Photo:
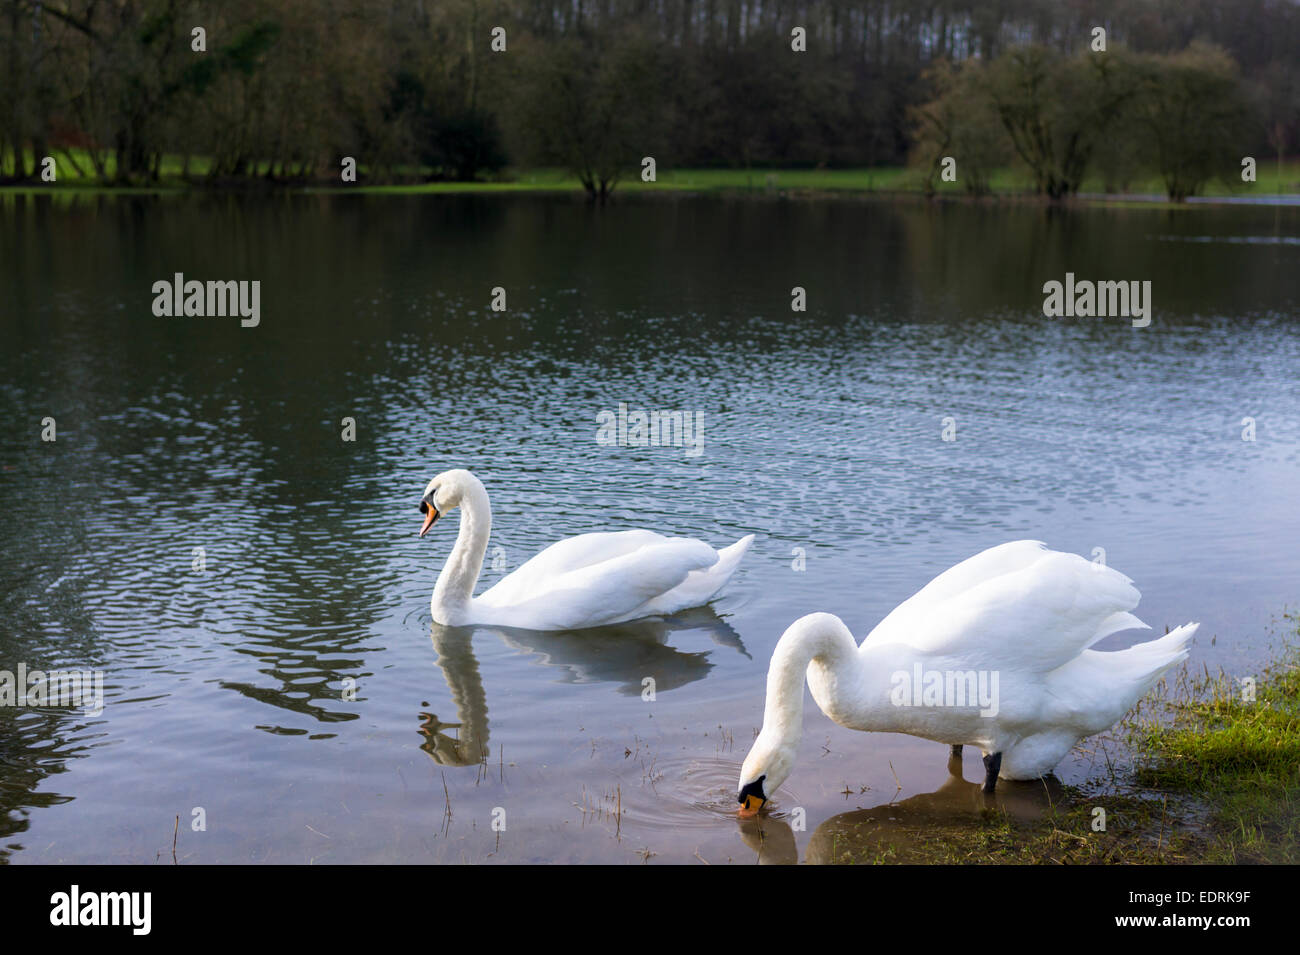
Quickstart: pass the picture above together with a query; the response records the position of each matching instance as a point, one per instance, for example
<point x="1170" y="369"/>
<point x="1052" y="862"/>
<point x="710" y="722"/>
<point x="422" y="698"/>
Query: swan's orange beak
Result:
<point x="751" y="797"/>
<point x="430" y="516"/>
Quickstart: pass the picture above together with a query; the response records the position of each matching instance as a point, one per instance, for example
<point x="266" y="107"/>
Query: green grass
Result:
<point x="885" y="179"/>
<point x="69" y="178"/>
<point x="1238" y="758"/>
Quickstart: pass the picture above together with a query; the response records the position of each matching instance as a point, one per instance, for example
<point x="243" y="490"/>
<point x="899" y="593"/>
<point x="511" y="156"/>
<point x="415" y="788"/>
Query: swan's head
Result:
<point x="445" y="492"/>
<point x="765" y="768"/>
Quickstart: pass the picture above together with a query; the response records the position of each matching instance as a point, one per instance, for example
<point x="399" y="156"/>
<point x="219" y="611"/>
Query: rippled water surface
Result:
<point x="296" y="690"/>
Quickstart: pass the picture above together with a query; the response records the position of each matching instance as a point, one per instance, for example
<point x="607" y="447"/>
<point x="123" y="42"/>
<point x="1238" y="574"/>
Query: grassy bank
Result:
<point x="1214" y="778"/>
<point x="1236" y="758"/>
<point x="1272" y="180"/>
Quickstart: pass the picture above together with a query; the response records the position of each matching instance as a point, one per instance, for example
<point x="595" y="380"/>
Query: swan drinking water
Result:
<point x="586" y="581"/>
<point x="1016" y="620"/>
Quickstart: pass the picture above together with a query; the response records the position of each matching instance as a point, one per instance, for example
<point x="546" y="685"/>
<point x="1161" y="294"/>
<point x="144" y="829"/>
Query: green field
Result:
<point x="1272" y="180"/>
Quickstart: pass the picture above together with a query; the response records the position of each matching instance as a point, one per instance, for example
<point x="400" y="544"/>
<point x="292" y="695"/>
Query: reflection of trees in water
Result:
<point x="892" y="830"/>
<point x="35" y="745"/>
<point x="624" y="654"/>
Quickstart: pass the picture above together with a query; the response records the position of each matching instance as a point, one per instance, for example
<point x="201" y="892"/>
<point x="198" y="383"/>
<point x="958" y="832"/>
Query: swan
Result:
<point x="586" y="581"/>
<point x="993" y="653"/>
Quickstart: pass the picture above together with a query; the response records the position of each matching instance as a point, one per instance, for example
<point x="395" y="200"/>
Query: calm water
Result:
<point x="227" y="689"/>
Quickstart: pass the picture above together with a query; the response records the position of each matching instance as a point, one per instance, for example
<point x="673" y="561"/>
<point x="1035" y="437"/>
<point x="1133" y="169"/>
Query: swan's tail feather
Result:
<point x="1106" y="683"/>
<point x="728" y="560"/>
<point x="715" y="577"/>
<point x="1145" y="663"/>
<point x="701" y="586"/>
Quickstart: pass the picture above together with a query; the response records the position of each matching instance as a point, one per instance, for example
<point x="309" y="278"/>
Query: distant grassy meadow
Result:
<point x="177" y="175"/>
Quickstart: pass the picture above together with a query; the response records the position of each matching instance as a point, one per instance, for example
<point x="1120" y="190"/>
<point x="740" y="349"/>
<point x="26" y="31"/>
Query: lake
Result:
<point x="252" y="586"/>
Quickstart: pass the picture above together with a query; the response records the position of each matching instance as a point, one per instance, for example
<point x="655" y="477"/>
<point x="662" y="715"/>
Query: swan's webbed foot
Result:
<point x="992" y="766"/>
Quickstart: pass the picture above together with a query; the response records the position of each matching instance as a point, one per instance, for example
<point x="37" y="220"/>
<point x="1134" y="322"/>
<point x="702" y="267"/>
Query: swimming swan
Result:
<point x="584" y="581"/>
<point x="993" y="652"/>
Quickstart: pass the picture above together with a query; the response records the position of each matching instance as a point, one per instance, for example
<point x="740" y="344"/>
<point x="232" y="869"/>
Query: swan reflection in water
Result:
<point x="891" y="831"/>
<point x="624" y="654"/>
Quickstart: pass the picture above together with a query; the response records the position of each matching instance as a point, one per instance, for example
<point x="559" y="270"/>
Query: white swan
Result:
<point x="584" y="581"/>
<point x="1013" y="623"/>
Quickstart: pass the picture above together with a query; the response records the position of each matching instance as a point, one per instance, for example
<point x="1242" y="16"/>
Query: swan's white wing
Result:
<point x="904" y="619"/>
<point x="541" y="571"/>
<point x="1033" y="619"/>
<point x="608" y="591"/>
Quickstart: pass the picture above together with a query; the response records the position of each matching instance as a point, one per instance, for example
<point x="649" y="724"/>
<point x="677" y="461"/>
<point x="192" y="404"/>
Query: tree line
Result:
<point x="1185" y="116"/>
<point x="281" y="90"/>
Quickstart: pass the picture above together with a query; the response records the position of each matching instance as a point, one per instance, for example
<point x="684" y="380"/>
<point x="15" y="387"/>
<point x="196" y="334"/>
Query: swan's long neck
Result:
<point x="818" y="637"/>
<point x="850" y="684"/>
<point x="455" y="587"/>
